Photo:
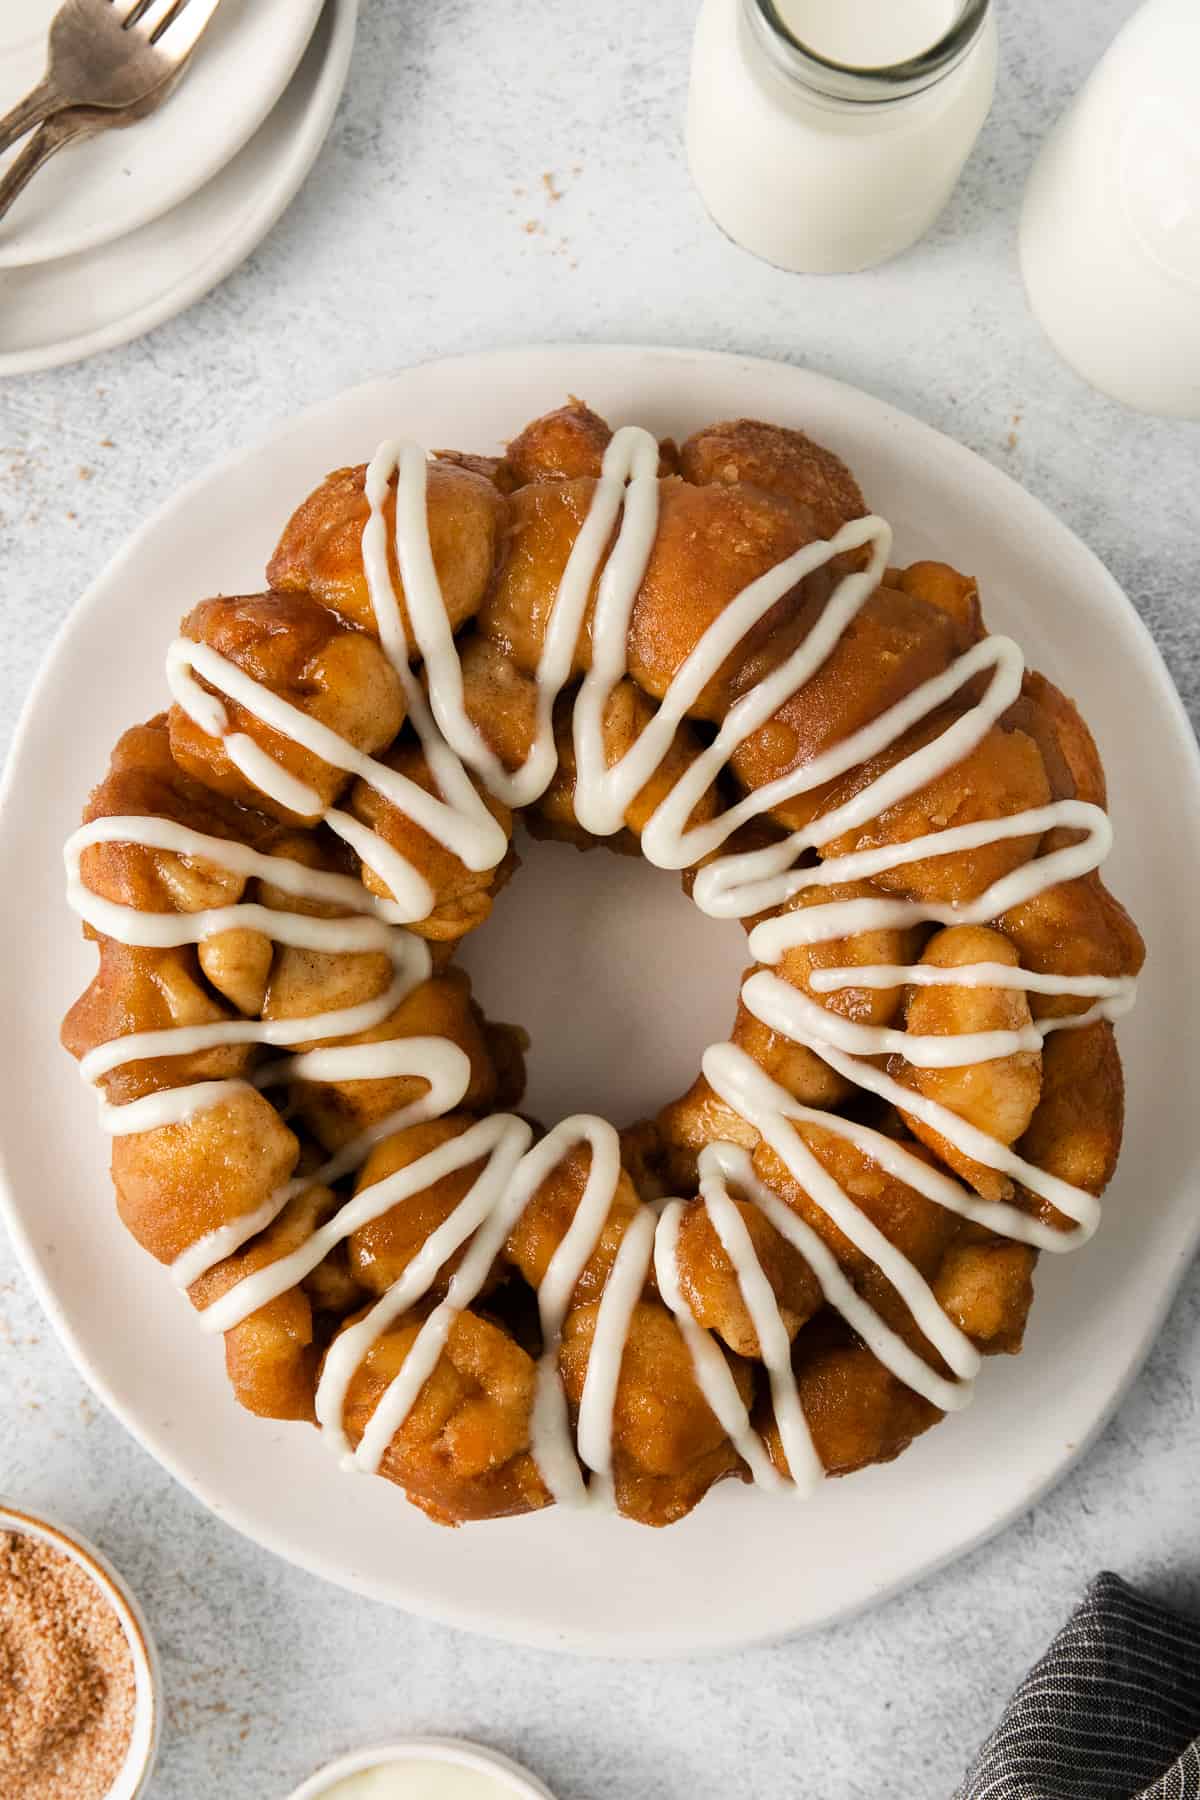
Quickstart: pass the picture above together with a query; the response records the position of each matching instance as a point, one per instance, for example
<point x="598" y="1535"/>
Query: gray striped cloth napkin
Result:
<point x="1111" y="1712"/>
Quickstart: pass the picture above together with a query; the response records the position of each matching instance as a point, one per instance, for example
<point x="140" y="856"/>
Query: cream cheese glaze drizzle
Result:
<point x="625" y="501"/>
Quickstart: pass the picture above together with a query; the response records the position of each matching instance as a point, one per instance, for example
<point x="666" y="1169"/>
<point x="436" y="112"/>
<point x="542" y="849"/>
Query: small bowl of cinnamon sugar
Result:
<point x="79" y="1676"/>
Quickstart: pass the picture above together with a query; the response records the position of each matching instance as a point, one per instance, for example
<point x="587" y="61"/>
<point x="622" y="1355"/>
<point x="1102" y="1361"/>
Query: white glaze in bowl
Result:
<point x="456" y="1751"/>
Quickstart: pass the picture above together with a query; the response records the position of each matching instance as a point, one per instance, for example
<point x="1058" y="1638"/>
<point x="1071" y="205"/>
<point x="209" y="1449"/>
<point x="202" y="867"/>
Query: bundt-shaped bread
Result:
<point x="699" y="654"/>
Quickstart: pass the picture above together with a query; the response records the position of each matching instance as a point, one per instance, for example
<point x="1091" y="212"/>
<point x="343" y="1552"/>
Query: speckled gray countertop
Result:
<point x="428" y="226"/>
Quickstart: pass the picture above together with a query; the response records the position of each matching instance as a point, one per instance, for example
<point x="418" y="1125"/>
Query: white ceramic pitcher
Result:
<point x="1110" y="229"/>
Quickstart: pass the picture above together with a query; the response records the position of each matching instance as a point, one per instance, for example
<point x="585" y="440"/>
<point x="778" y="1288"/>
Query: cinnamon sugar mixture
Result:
<point x="66" y="1678"/>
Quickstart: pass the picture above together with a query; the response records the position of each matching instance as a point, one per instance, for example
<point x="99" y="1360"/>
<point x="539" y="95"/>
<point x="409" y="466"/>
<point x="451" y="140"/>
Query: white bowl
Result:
<point x="133" y="1780"/>
<point x="457" y="1751"/>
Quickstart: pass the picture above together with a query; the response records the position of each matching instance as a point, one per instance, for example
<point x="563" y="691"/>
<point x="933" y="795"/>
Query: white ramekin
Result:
<point x="133" y="1779"/>
<point x="524" y="1786"/>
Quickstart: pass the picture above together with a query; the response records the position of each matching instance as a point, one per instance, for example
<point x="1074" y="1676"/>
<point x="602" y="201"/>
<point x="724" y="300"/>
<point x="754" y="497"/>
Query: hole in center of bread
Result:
<point x="620" y="981"/>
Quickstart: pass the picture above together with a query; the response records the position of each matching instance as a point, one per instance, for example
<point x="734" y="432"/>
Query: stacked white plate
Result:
<point x="118" y="233"/>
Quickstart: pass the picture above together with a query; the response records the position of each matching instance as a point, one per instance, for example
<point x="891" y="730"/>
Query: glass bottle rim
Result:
<point x="845" y="81"/>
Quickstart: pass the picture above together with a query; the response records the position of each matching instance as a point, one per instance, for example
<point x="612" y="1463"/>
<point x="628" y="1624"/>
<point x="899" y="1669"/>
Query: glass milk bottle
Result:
<point x="827" y="135"/>
<point x="1110" y="228"/>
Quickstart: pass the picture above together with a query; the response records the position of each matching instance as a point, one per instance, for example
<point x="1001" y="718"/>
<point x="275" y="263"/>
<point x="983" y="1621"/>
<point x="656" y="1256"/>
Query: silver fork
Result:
<point x="72" y="125"/>
<point x="109" y="54"/>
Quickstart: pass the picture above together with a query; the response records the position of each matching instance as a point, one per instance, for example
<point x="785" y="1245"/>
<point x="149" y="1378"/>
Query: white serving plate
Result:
<point x="744" y="1567"/>
<point x="55" y="313"/>
<point x="96" y="192"/>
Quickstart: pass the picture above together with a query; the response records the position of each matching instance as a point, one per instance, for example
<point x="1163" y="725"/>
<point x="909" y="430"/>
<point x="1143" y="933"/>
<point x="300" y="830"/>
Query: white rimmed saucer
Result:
<point x="97" y="192"/>
<point x="61" y="312"/>
<point x="133" y="1779"/>
<point x="456" y="1752"/>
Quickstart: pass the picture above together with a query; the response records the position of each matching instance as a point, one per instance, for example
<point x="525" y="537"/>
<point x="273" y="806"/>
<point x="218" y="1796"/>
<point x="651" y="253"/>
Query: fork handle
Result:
<point x="37" y="105"/>
<point x="46" y="141"/>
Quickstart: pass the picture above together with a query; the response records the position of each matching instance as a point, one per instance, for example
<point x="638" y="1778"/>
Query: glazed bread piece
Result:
<point x="848" y="1203"/>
